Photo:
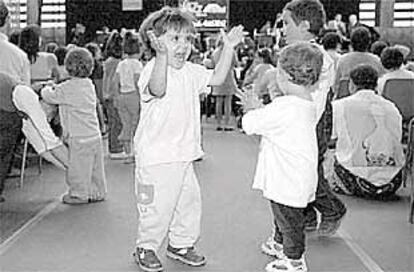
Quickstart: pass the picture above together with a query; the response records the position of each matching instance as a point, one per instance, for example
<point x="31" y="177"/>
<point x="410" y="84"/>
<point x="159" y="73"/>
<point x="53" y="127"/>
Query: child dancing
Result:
<point x="286" y="170"/>
<point x="77" y="102"/>
<point x="167" y="140"/>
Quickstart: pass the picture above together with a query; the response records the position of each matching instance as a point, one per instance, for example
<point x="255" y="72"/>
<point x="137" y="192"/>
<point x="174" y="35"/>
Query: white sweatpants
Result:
<point x="169" y="202"/>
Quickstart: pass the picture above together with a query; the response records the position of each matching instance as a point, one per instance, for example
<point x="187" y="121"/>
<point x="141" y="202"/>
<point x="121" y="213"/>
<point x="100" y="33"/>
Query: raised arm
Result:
<point x="158" y="80"/>
<point x="233" y="38"/>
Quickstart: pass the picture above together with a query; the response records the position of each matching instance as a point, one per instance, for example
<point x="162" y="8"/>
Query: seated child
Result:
<point x="286" y="170"/>
<point x="167" y="140"/>
<point x="77" y="101"/>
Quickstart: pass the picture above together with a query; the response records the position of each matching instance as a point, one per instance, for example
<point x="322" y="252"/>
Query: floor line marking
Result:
<point x="27" y="226"/>
<point x="369" y="263"/>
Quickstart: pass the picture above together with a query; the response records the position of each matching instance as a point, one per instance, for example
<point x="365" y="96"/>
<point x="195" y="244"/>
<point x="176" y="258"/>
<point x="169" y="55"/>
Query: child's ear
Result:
<point x="304" y="25"/>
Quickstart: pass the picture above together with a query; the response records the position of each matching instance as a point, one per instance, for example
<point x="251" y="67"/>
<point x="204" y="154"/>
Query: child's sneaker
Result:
<point x="329" y="228"/>
<point x="272" y="248"/>
<point x="73" y="200"/>
<point x="147" y="260"/>
<point x="287" y="265"/>
<point x="186" y="255"/>
<point x="311" y="226"/>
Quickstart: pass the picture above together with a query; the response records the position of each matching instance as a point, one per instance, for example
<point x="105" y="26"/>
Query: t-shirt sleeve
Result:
<point x="54" y="95"/>
<point x="202" y="77"/>
<point x="263" y="120"/>
<point x="143" y="82"/>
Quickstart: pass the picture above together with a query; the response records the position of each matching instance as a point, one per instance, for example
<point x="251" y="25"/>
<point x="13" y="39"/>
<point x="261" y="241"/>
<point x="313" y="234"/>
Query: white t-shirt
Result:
<point x="169" y="127"/>
<point x="286" y="170"/>
<point x="14" y="61"/>
<point x="42" y="69"/>
<point x="354" y="124"/>
<point x="126" y="70"/>
<point x="326" y="81"/>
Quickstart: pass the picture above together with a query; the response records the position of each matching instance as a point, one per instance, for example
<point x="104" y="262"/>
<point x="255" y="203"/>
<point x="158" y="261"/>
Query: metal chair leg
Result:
<point x="23" y="166"/>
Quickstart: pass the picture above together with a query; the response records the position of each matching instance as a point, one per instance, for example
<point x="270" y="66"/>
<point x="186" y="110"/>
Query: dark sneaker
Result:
<point x="186" y="255"/>
<point x="311" y="226"/>
<point x="147" y="260"/>
<point x="329" y="228"/>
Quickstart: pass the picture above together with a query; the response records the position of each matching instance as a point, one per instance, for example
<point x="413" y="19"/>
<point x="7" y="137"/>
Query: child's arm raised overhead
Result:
<point x="158" y="80"/>
<point x="233" y="38"/>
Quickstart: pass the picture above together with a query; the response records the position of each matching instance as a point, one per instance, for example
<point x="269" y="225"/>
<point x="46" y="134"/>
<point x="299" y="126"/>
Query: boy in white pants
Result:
<point x="167" y="140"/>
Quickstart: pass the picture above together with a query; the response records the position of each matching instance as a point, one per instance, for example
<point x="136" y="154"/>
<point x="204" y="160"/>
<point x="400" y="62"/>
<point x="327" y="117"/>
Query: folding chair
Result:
<point x="401" y="92"/>
<point x="409" y="167"/>
<point x="343" y="89"/>
<point x="24" y="156"/>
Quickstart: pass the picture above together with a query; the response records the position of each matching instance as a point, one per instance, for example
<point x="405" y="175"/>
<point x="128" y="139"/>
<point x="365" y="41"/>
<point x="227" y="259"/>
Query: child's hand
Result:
<point x="234" y="37"/>
<point x="249" y="100"/>
<point x="156" y="43"/>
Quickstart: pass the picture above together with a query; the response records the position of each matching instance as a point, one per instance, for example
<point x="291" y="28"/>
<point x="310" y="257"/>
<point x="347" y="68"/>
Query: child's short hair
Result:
<point x="266" y="55"/>
<point x="79" y="62"/>
<point x="364" y="76"/>
<point x="60" y="54"/>
<point x="51" y="47"/>
<point x="331" y="40"/>
<point x="132" y="43"/>
<point x="303" y="62"/>
<point x="391" y="58"/>
<point x="308" y="10"/>
<point x="93" y="48"/>
<point x="164" y="19"/>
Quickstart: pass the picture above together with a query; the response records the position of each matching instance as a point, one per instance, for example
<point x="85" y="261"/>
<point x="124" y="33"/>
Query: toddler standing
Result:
<point x="167" y="140"/>
<point x="286" y="170"/>
<point x="126" y="77"/>
<point x="77" y="102"/>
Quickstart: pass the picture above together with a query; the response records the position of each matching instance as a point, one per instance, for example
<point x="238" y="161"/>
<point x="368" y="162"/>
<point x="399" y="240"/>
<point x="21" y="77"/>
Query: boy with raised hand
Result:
<point x="302" y="22"/>
<point x="167" y="140"/>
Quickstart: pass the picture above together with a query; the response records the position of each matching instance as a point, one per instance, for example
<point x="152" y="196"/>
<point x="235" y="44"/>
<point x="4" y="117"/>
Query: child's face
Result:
<point x="293" y="32"/>
<point x="178" y="46"/>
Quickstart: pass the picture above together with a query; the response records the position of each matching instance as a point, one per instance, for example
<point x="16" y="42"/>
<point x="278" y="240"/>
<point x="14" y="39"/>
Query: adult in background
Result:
<point x="224" y="92"/>
<point x="332" y="44"/>
<point x="368" y="128"/>
<point x="43" y="65"/>
<point x="392" y="59"/>
<point x="13" y="60"/>
<point x="360" y="42"/>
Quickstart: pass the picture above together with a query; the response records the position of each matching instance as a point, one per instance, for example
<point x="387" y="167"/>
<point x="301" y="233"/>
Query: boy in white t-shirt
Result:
<point x="167" y="140"/>
<point x="127" y="100"/>
<point x="286" y="170"/>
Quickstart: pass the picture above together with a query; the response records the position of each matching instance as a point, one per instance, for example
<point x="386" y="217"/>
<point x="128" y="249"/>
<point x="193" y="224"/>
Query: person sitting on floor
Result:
<point x="368" y="128"/>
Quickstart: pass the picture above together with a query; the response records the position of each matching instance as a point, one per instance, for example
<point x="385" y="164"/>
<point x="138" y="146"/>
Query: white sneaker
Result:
<point x="118" y="156"/>
<point x="272" y="248"/>
<point x="287" y="265"/>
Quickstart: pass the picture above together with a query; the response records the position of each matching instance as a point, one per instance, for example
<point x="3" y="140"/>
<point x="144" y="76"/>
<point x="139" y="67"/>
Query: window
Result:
<point x="404" y="13"/>
<point x="367" y="10"/>
<point x="53" y="13"/>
